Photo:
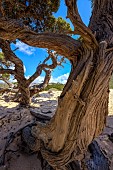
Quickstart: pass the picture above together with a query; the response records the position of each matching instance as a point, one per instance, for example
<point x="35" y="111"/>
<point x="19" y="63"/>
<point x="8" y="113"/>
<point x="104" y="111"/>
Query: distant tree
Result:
<point x="83" y="104"/>
<point x="5" y="65"/>
<point x="26" y="91"/>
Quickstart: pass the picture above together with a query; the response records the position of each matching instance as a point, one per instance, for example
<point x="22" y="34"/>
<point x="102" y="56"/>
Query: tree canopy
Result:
<point x="38" y="15"/>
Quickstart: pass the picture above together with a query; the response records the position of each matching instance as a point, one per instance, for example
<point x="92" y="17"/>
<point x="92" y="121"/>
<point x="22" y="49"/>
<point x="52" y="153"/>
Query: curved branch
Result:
<point x="43" y="66"/>
<point x="79" y="26"/>
<point x="8" y="71"/>
<point x="9" y="55"/>
<point x="62" y="44"/>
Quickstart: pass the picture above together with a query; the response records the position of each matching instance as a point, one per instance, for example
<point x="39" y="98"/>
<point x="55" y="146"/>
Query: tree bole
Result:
<point x="80" y="115"/>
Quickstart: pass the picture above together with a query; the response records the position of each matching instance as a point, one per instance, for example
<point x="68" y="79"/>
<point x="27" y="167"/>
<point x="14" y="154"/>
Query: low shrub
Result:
<point x="57" y="86"/>
<point x="111" y="83"/>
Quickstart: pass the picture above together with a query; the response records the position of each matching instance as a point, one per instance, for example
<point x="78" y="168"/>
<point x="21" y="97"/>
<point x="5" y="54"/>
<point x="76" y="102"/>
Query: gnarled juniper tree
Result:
<point x="83" y="104"/>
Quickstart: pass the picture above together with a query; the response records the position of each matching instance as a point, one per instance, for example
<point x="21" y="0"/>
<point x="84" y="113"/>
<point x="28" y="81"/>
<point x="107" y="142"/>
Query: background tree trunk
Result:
<point x="24" y="93"/>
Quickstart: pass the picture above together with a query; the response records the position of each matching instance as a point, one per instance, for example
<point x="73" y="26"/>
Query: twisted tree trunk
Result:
<point x="81" y="112"/>
<point x="83" y="104"/>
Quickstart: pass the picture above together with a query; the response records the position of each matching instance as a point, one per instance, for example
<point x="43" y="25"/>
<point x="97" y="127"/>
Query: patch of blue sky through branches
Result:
<point x="32" y="56"/>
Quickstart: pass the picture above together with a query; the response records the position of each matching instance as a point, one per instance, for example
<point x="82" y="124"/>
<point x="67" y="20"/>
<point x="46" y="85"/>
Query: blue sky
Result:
<point x="32" y="56"/>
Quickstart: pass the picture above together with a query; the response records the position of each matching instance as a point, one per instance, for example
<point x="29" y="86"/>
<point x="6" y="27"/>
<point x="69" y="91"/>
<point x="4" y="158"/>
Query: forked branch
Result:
<point x="43" y="67"/>
<point x="79" y="27"/>
<point x="47" y="69"/>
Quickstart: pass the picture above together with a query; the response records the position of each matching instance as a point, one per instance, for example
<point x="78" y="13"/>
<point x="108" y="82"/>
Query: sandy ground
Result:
<point x="13" y="118"/>
<point x="111" y="102"/>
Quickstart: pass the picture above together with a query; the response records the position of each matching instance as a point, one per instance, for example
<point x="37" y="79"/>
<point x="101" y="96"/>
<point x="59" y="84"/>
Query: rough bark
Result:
<point x="83" y="104"/>
<point x="80" y="115"/>
<point x="18" y="72"/>
<point x="63" y="44"/>
<point x="82" y="107"/>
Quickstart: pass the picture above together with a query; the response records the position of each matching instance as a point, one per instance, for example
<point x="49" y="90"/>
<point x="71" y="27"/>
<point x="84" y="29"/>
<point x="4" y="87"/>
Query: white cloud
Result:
<point x="61" y="79"/>
<point x="27" y="77"/>
<point x="24" y="69"/>
<point x="12" y="67"/>
<point x="12" y="79"/>
<point x="38" y="80"/>
<point x="24" y="48"/>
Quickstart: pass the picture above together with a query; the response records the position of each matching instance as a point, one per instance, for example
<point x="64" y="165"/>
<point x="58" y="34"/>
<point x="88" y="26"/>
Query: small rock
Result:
<point x="4" y="167"/>
<point x="111" y="137"/>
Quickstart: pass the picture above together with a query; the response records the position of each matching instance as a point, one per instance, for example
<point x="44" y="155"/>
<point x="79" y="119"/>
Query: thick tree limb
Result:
<point x="9" y="71"/>
<point x="79" y="26"/>
<point x="109" y="49"/>
<point x="9" y="55"/>
<point x="62" y="44"/>
<point x="23" y="83"/>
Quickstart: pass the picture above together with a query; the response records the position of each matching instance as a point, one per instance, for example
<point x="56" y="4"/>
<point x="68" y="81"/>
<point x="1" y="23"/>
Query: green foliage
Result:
<point x="33" y="13"/>
<point x="58" y="25"/>
<point x="24" y="8"/>
<point x="3" y="62"/>
<point x="111" y="83"/>
<point x="57" y="86"/>
<point x="4" y="65"/>
<point x="3" y="85"/>
<point x="6" y="76"/>
<point x="38" y="14"/>
<point x="1" y="56"/>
